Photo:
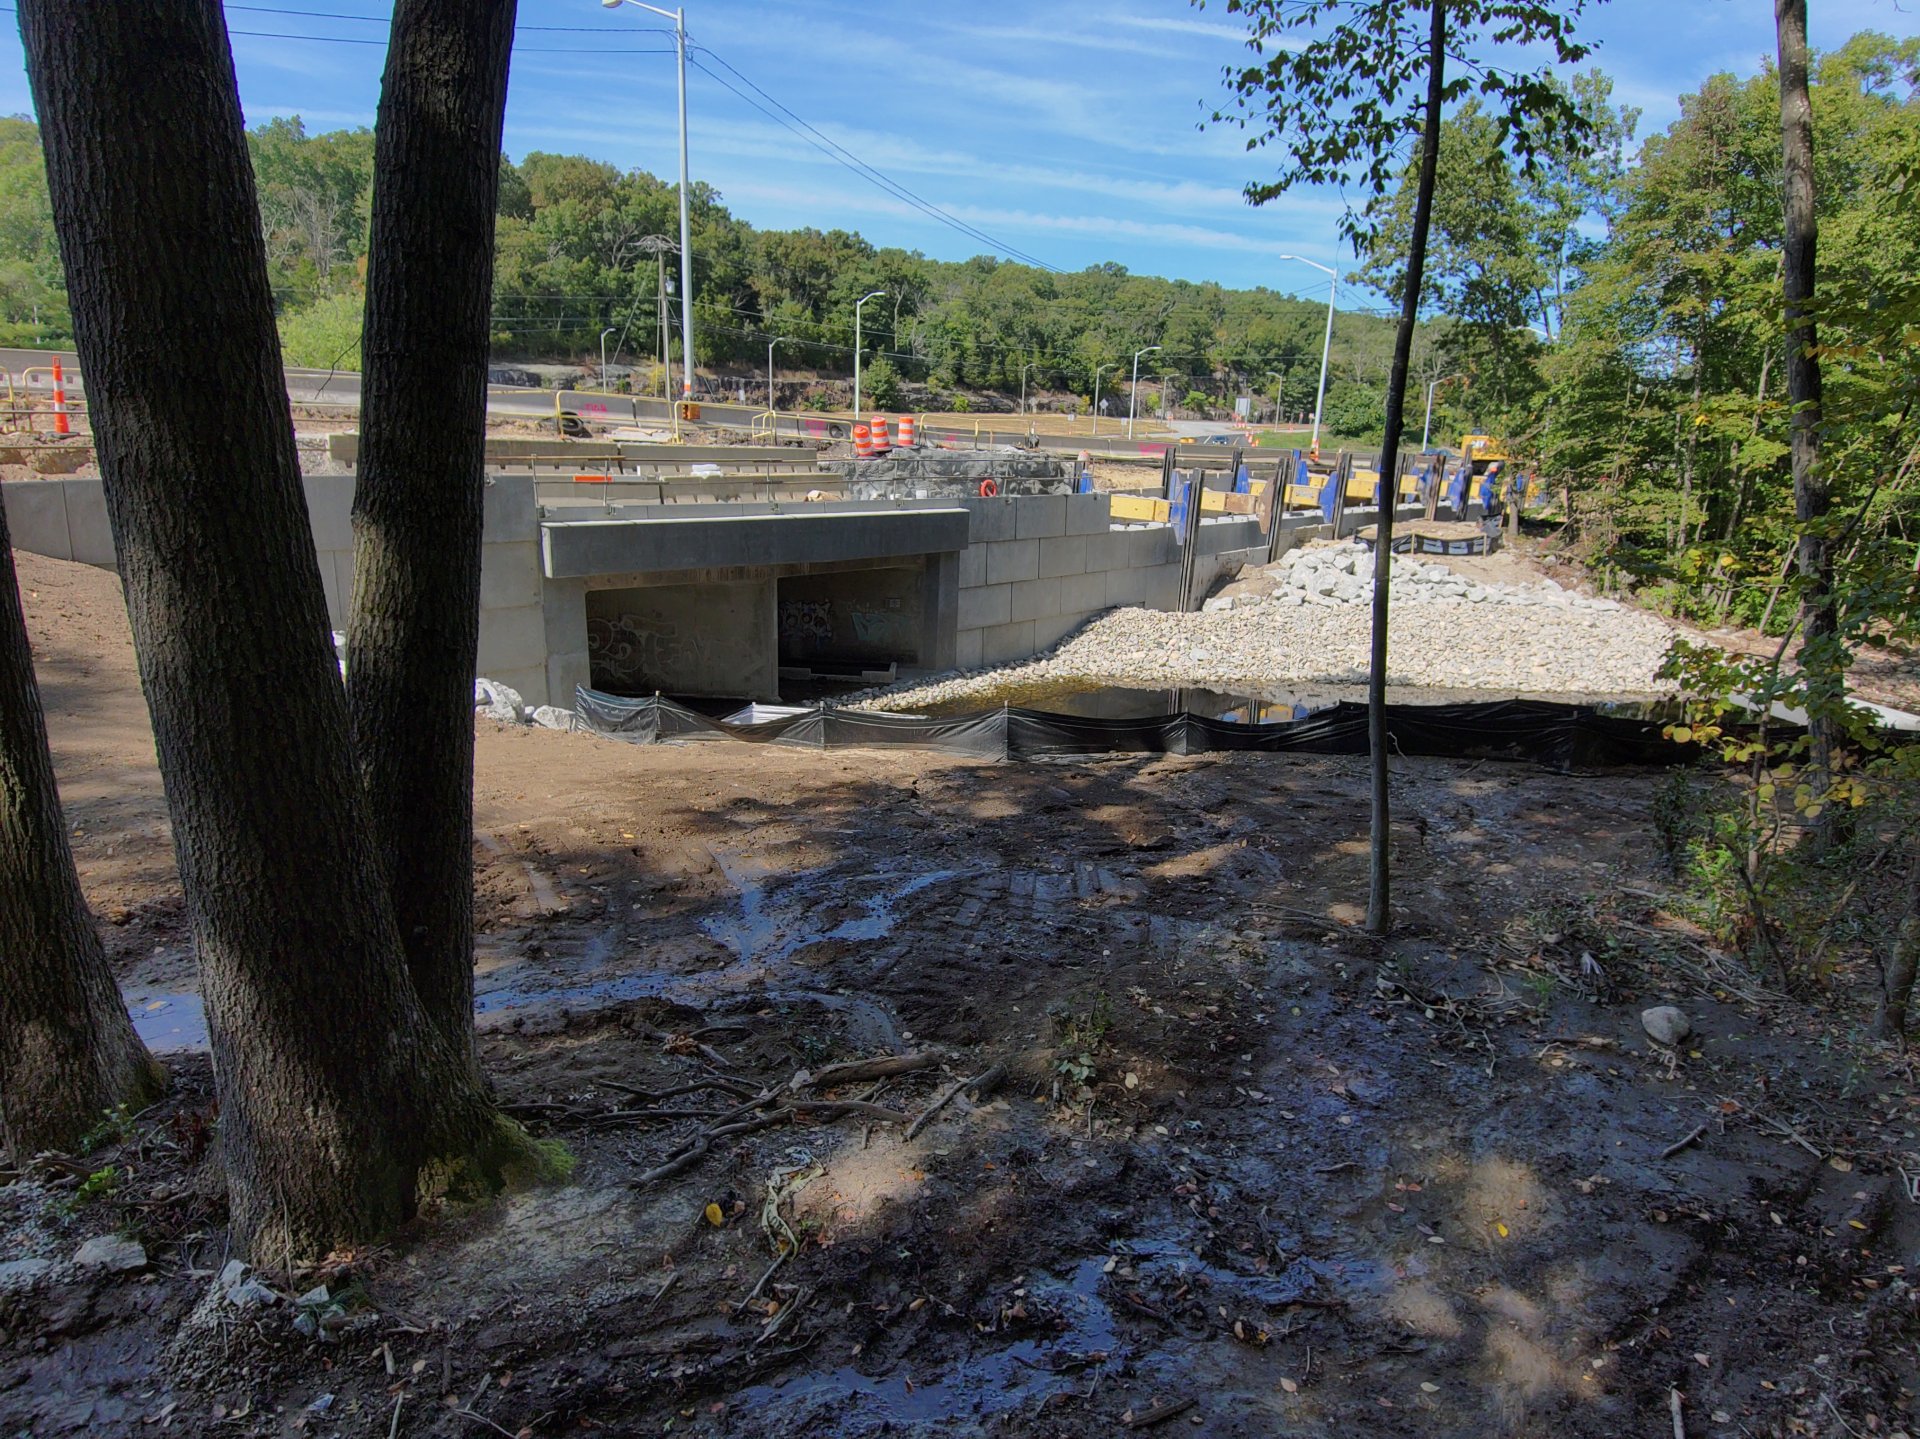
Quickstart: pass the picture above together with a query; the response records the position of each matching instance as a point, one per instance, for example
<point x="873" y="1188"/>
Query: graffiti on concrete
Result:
<point x="640" y="652"/>
<point x="885" y="624"/>
<point x="806" y="622"/>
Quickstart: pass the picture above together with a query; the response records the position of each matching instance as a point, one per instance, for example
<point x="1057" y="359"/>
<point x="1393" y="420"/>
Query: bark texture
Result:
<point x="334" y="1095"/>
<point x="418" y="502"/>
<point x="68" y="1053"/>
<point x="1379" y="882"/>
<point x="1903" y="963"/>
<point x="1819" y="618"/>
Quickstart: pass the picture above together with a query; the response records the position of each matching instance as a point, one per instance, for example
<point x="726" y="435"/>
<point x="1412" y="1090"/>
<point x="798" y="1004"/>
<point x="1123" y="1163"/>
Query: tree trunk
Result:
<point x="68" y="1052"/>
<point x="1819" y="651"/>
<point x="1677" y="537"/>
<point x="1745" y="491"/>
<point x="414" y="630"/>
<point x="334" y="1092"/>
<point x="1898" y="975"/>
<point x="1379" y="902"/>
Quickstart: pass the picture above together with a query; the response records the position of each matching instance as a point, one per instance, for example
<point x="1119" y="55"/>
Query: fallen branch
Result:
<point x="844" y="1109"/>
<point x="701" y="1144"/>
<point x="661" y="1293"/>
<point x="477" y="1418"/>
<point x="1781" y="1127"/>
<point x="984" y="1083"/>
<point x="655" y="1096"/>
<point x="1159" y="1414"/>
<point x="857" y="1069"/>
<point x="755" y="1292"/>
<point x="927" y="1114"/>
<point x="1680" y="1144"/>
<point x="696" y="1148"/>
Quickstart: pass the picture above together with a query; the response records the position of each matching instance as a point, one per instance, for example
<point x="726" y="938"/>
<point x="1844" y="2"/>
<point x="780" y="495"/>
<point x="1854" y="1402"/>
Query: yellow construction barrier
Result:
<point x="1138" y="509"/>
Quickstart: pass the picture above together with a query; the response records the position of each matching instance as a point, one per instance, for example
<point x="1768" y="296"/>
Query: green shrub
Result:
<point x="880" y="385"/>
<point x="325" y="335"/>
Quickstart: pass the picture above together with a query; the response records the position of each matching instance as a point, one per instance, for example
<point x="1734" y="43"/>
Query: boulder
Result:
<point x="552" y="717"/>
<point x="499" y="702"/>
<point x="1666" y="1025"/>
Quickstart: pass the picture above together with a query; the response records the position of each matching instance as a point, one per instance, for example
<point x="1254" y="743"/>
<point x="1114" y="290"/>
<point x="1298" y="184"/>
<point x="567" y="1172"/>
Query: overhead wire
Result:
<point x="844" y="157"/>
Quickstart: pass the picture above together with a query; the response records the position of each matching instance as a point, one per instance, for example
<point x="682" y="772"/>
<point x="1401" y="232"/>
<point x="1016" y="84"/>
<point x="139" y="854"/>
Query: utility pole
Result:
<point x="679" y="18"/>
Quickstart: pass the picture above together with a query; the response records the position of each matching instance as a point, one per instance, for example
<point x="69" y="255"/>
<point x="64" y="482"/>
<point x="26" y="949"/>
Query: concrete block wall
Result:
<point x="67" y="520"/>
<point x="1038" y="567"/>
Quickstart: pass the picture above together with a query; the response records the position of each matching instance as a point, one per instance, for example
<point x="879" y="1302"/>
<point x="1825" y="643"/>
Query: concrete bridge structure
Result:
<point x="716" y="598"/>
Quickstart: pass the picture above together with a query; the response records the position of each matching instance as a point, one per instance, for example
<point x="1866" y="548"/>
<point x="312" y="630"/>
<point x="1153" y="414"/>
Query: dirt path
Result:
<point x="1241" y="1154"/>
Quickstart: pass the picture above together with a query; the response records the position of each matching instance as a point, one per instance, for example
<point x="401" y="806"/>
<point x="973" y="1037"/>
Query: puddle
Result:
<point x="846" y="1401"/>
<point x="168" y="1023"/>
<point x="1020" y="1374"/>
<point x="775" y="919"/>
<point x="767" y="934"/>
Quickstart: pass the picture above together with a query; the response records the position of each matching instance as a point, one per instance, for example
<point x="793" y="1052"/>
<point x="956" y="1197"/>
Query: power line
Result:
<point x="847" y="159"/>
<point x="387" y="19"/>
<point x="517" y="49"/>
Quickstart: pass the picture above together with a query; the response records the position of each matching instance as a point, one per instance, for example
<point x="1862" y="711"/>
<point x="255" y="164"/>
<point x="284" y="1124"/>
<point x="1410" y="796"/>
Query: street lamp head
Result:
<point x="612" y="4"/>
<point x="874" y="295"/>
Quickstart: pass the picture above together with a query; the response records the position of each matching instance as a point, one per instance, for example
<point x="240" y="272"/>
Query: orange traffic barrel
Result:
<point x="877" y="427"/>
<point x="862" y="442"/>
<point x="59" y="401"/>
<point x="906" y="432"/>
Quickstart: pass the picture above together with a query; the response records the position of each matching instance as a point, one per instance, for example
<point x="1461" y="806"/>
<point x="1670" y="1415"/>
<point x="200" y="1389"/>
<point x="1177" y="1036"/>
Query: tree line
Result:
<point x="1660" y="400"/>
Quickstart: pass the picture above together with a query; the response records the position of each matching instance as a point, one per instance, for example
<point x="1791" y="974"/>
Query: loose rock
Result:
<point x="17" y="1274"/>
<point x="1444" y="632"/>
<point x="1666" y="1025"/>
<point x="112" y="1252"/>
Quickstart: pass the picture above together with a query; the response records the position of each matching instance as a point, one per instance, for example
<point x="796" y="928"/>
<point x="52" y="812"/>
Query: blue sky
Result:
<point x="1067" y="131"/>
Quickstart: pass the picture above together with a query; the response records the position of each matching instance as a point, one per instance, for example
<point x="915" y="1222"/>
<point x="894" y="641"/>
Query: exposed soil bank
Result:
<point x="1241" y="1154"/>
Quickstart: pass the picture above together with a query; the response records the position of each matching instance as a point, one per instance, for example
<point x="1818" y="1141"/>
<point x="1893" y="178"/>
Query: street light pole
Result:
<point x="1278" y="381"/>
<point x="770" y="344"/>
<point x="856" y="349"/>
<point x="1096" y="392"/>
<point x="1326" y="345"/>
<point x="1133" y="389"/>
<point x="679" y="18"/>
<point x="1023" y="384"/>
<point x="603" y="355"/>
<point x="1427" y="428"/>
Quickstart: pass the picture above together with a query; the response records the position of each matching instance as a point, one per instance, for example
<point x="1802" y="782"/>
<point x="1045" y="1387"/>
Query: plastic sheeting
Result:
<point x="1559" y="735"/>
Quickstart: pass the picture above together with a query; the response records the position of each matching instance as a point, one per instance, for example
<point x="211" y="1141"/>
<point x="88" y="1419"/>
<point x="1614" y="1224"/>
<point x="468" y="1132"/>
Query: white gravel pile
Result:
<point x="1343" y="575"/>
<point x="1445" y="632"/>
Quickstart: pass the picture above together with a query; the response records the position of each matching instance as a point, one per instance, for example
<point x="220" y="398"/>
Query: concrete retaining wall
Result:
<point x="67" y="520"/>
<point x="1036" y="568"/>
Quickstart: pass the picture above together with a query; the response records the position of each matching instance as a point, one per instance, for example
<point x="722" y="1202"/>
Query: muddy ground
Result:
<point x="1239" y="1158"/>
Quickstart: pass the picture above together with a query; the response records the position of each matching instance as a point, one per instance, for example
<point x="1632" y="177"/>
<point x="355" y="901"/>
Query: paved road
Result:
<point x="32" y="370"/>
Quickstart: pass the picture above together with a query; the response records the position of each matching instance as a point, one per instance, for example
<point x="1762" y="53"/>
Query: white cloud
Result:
<point x="1182" y="25"/>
